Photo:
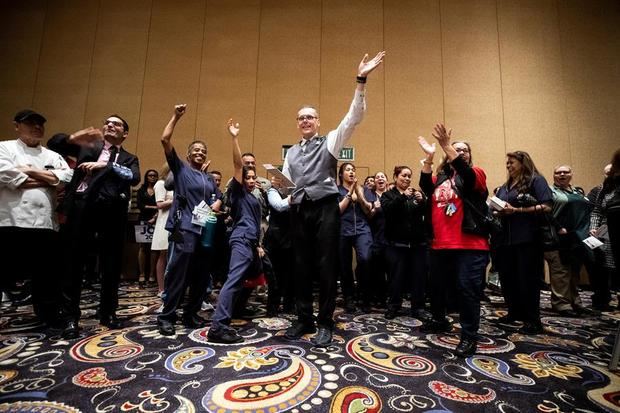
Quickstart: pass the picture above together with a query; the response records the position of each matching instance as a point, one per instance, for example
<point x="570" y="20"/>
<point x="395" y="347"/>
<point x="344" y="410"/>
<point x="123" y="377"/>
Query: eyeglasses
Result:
<point x="306" y="117"/>
<point x="461" y="150"/>
<point x="562" y="172"/>
<point x="116" y="123"/>
<point x="152" y="175"/>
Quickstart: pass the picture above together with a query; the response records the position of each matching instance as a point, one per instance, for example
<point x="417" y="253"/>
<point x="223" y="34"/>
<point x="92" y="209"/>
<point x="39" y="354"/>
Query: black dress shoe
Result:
<point x="71" y="330"/>
<point x="531" y="329"/>
<point x="436" y="326"/>
<point x="194" y="322"/>
<point x="111" y="322"/>
<point x="166" y="328"/>
<point x="323" y="337"/>
<point x="390" y="314"/>
<point x="224" y="335"/>
<point x="568" y="313"/>
<point x="507" y="319"/>
<point x="421" y="314"/>
<point x="298" y="329"/>
<point x="587" y="311"/>
<point x="465" y="348"/>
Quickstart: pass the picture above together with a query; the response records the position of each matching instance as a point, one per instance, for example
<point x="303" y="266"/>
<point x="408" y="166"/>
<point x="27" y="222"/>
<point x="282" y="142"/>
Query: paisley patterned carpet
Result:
<point x="375" y="365"/>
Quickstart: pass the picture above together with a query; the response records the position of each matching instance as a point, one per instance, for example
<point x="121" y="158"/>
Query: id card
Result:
<point x="200" y="213"/>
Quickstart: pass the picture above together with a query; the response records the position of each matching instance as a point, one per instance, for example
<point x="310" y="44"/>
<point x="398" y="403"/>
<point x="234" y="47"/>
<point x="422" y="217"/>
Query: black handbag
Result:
<point x="488" y="223"/>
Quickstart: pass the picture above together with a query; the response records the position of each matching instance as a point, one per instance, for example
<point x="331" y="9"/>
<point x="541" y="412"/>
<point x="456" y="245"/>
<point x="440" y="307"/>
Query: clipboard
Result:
<point x="286" y="183"/>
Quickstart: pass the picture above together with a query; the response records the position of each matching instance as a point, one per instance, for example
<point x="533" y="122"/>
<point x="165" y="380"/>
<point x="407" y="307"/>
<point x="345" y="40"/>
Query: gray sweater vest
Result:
<point x="313" y="169"/>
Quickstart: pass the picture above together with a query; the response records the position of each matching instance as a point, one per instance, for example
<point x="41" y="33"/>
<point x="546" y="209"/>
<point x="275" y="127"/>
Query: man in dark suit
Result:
<point x="97" y="201"/>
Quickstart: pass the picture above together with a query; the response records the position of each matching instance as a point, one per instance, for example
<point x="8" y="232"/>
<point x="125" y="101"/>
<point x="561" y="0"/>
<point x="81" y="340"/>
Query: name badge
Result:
<point x="450" y="209"/>
<point x="200" y="213"/>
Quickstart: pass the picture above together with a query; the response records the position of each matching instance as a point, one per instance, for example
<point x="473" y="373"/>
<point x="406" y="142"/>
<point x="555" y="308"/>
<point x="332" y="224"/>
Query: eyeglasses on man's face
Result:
<point x="306" y="117"/>
<point x="116" y="123"/>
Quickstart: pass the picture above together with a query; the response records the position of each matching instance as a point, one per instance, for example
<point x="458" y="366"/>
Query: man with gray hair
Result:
<point x="315" y="216"/>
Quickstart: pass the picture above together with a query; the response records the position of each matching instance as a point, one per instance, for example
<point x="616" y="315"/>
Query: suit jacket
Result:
<point x="106" y="185"/>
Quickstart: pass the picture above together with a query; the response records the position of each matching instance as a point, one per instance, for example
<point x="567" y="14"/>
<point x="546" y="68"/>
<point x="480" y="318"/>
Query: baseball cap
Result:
<point x="28" y="114"/>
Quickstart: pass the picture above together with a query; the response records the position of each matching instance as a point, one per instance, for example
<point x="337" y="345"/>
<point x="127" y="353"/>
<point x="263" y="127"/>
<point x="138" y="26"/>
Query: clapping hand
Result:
<point x="233" y="128"/>
<point x="441" y="134"/>
<point x="428" y="148"/>
<point x="366" y="66"/>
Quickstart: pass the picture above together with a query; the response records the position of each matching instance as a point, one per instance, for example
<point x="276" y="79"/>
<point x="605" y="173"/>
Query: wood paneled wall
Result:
<point x="536" y="75"/>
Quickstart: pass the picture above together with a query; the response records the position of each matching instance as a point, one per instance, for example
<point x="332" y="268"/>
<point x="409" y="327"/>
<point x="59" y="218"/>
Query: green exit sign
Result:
<point x="346" y="154"/>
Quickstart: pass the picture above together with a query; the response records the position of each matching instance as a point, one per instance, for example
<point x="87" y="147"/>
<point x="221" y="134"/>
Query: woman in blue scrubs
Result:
<point x="188" y="261"/>
<point x="245" y="252"/>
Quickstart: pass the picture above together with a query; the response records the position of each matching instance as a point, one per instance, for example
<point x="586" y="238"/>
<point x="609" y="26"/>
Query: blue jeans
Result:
<point x="466" y="270"/>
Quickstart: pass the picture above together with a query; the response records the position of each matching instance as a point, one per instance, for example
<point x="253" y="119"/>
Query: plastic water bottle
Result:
<point x="208" y="231"/>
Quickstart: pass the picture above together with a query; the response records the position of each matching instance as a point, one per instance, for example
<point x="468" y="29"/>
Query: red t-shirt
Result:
<point x="447" y="228"/>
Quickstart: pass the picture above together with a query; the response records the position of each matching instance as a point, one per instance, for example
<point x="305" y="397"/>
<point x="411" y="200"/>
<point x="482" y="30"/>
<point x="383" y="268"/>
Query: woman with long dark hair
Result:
<point x="147" y="205"/>
<point x="519" y="248"/>
<point x="406" y="238"/>
<point x="245" y="252"/>
<point x="460" y="248"/>
<point x="188" y="261"/>
<point x="354" y="234"/>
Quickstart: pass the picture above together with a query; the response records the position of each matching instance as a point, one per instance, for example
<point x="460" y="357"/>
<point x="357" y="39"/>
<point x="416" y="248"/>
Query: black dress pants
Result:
<point x="109" y="221"/>
<point x="315" y="229"/>
<point x="31" y="253"/>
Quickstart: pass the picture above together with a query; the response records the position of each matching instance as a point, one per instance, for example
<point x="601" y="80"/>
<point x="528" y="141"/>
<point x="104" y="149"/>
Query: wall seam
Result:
<point x="202" y="57"/>
<point x="92" y="59"/>
<point x="36" y="76"/>
<point x="562" y="63"/>
<point x="501" y="78"/>
<point x="260" y="22"/>
<point x="384" y="88"/>
<point x="320" y="60"/>
<point x="146" y="58"/>
<point x="443" y="80"/>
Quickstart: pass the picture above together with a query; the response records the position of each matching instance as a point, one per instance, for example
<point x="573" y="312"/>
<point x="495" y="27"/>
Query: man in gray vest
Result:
<point x="311" y="165"/>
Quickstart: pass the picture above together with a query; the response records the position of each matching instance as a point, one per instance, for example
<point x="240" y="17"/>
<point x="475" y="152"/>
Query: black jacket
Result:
<point x="105" y="185"/>
<point x="405" y="222"/>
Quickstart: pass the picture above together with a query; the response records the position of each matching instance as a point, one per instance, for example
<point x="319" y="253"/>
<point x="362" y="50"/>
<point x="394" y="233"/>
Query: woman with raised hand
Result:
<point x="188" y="261"/>
<point x="460" y="248"/>
<point x="520" y="261"/>
<point x="245" y="251"/>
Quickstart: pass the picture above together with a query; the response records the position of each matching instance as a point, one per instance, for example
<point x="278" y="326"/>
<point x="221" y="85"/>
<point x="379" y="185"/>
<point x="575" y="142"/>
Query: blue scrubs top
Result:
<point x="353" y="221"/>
<point x="190" y="188"/>
<point x="523" y="228"/>
<point x="245" y="211"/>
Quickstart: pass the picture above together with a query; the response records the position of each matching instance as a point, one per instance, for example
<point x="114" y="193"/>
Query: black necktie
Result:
<point x="113" y="152"/>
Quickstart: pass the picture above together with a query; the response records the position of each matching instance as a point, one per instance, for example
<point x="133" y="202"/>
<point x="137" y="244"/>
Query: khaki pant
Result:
<point x="564" y="279"/>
